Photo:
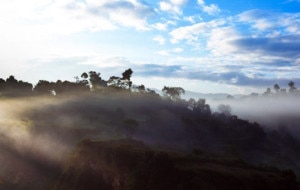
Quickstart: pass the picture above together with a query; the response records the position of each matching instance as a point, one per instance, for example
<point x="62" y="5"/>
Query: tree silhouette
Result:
<point x="126" y="77"/>
<point x="2" y="84"/>
<point x="141" y="88"/>
<point x="25" y="88"/>
<point x="202" y="107"/>
<point x="95" y="80"/>
<point x="276" y="88"/>
<point x="114" y="81"/>
<point x="292" y="86"/>
<point x="11" y="79"/>
<point x="173" y="92"/>
<point x="127" y="74"/>
<point x="84" y="75"/>
<point x="44" y="87"/>
<point x="11" y="83"/>
<point x="121" y="83"/>
<point x="191" y="103"/>
<point x="13" y="87"/>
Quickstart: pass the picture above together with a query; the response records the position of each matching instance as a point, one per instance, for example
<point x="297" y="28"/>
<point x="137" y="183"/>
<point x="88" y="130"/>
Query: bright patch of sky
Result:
<point x="202" y="45"/>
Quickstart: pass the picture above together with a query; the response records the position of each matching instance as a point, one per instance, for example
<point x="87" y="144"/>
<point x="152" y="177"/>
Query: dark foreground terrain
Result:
<point x="126" y="164"/>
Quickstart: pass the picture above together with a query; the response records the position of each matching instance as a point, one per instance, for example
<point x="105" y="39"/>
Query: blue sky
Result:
<point x="202" y="45"/>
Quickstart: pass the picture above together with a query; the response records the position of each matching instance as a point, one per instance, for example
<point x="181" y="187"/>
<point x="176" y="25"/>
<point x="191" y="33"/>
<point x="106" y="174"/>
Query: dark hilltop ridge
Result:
<point x="115" y="135"/>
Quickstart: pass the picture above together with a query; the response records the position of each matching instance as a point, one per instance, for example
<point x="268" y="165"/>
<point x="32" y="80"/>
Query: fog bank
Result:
<point x="272" y="112"/>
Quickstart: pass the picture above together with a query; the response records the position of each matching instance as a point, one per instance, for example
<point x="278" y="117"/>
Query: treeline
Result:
<point x="87" y="82"/>
<point x="278" y="91"/>
<point x="13" y="87"/>
<point x="92" y="82"/>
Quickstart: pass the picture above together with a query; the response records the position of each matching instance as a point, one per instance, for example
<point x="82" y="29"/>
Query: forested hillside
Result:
<point x="116" y="135"/>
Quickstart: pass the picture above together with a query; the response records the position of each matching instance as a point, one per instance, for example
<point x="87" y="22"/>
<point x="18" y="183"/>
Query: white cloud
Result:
<point x="192" y="19"/>
<point x="263" y="24"/>
<point x="36" y="29"/>
<point x="160" y="26"/>
<point x="191" y="33"/>
<point x="110" y="61"/>
<point x="172" y="6"/>
<point x="211" y="9"/>
<point x="178" y="2"/>
<point x="163" y="52"/>
<point x="219" y="42"/>
<point x="169" y="52"/>
<point x="71" y="16"/>
<point x="267" y="22"/>
<point x="259" y="20"/>
<point x="188" y="33"/>
<point x="129" y="19"/>
<point x="291" y="23"/>
<point x="166" y="6"/>
<point x="161" y="40"/>
<point x="177" y="50"/>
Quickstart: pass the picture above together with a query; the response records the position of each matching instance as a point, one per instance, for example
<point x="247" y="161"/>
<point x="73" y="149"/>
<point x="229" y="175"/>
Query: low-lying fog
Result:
<point x="16" y="129"/>
<point x="27" y="123"/>
<point x="272" y="112"/>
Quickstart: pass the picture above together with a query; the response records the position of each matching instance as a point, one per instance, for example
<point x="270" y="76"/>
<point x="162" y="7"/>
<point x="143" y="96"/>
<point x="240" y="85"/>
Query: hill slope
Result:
<point x="127" y="164"/>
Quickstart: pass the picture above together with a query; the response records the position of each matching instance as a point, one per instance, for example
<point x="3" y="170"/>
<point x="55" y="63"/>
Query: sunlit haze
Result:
<point x="204" y="46"/>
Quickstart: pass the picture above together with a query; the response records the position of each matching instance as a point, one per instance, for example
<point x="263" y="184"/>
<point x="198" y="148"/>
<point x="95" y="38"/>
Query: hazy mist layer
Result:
<point x="272" y="112"/>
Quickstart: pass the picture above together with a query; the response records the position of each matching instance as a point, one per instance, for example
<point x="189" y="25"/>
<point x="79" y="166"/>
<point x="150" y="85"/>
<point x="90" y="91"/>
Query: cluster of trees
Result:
<point x="282" y="91"/>
<point x="87" y="82"/>
<point x="12" y="87"/>
<point x="93" y="82"/>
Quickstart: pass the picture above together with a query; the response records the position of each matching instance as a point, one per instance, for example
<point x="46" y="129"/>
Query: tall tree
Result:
<point x="11" y="83"/>
<point x="126" y="78"/>
<point x="13" y="87"/>
<point x="276" y="88"/>
<point x="122" y="83"/>
<point x="173" y="92"/>
<point x="84" y="75"/>
<point x="292" y="86"/>
<point x="95" y="80"/>
<point x="127" y="74"/>
<point x="141" y="88"/>
<point x="2" y="84"/>
<point x="44" y="87"/>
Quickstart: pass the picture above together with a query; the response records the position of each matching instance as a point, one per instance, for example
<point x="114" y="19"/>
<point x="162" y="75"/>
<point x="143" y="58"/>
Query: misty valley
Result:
<point x="115" y="135"/>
